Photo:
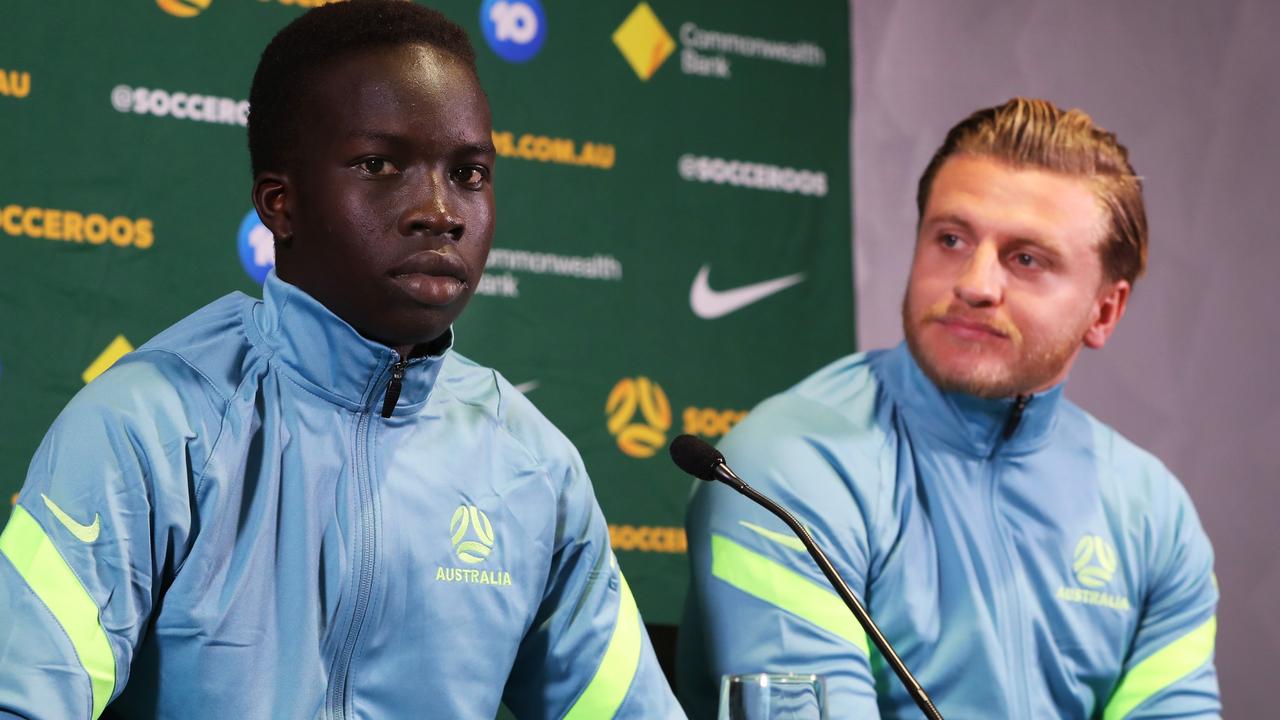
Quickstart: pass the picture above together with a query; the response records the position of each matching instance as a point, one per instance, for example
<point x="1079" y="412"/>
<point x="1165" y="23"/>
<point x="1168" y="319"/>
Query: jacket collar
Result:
<point x="970" y="425"/>
<point x="328" y="357"/>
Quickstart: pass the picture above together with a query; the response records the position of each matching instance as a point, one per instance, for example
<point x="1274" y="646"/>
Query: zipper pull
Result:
<point x="393" y="388"/>
<point x="1015" y="417"/>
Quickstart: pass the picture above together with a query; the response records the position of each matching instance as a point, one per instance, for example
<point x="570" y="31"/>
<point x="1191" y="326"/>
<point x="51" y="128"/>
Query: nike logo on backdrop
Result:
<point x="83" y="533"/>
<point x="710" y="304"/>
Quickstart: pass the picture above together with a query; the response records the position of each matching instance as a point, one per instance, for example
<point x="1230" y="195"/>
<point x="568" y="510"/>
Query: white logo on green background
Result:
<point x="1095" y="561"/>
<point x="476" y="548"/>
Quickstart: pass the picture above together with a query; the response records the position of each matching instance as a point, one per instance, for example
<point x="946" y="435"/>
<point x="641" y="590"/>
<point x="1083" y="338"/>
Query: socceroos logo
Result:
<point x="639" y="415"/>
<point x="1094" y="566"/>
<point x="643" y="41"/>
<point x="639" y="437"/>
<point x="473" y="541"/>
<point x="470" y="517"/>
<point x="184" y="8"/>
<point x="1095" y="561"/>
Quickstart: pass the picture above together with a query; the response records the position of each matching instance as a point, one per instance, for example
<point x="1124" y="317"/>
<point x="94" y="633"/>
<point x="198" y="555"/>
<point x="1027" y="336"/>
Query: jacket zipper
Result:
<point x="393" y="388"/>
<point x="1015" y="417"/>
<point x="1014" y="595"/>
<point x="340" y="675"/>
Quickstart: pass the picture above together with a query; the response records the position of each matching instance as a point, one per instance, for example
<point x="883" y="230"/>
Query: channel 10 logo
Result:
<point x="256" y="246"/>
<point x="515" y="29"/>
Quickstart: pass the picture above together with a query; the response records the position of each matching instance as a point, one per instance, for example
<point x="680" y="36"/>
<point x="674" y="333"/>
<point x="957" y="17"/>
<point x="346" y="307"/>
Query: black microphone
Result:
<point x="696" y="457"/>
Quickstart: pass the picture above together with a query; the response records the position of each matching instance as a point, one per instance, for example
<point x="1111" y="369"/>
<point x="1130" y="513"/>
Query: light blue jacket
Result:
<point x="224" y="525"/>
<point x="1025" y="567"/>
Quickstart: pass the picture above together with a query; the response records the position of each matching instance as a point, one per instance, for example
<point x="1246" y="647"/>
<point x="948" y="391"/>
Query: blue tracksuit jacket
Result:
<point x="1038" y="566"/>
<point x="224" y="525"/>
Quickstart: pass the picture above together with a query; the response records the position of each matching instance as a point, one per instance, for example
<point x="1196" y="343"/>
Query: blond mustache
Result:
<point x="942" y="311"/>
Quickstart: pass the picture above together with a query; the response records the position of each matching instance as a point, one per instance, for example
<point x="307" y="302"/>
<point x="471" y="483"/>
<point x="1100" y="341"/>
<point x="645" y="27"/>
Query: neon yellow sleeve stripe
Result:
<point x="41" y="565"/>
<point x="1168" y="665"/>
<point x="779" y="585"/>
<point x="612" y="680"/>
<point x="787" y="541"/>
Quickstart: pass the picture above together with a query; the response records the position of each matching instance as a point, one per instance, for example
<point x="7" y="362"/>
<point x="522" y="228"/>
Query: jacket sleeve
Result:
<point x="757" y="602"/>
<point x="80" y="550"/>
<point x="587" y="654"/>
<point x="1169" y="672"/>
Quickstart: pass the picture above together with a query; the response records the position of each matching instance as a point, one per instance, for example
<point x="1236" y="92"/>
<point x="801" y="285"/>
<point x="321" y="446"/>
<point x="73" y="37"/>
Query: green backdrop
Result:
<point x="644" y="147"/>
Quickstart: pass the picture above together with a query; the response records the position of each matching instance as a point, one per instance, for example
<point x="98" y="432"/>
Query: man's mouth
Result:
<point x="432" y="278"/>
<point x="433" y="264"/>
<point x="968" y="328"/>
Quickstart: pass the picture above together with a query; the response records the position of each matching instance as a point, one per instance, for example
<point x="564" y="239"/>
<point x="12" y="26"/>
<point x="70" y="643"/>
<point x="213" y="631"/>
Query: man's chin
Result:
<point x="969" y="373"/>
<point x="988" y="387"/>
<point x="422" y="337"/>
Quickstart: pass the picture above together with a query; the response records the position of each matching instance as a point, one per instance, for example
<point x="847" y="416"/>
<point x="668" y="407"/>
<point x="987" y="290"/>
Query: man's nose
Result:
<point x="981" y="283"/>
<point x="433" y="210"/>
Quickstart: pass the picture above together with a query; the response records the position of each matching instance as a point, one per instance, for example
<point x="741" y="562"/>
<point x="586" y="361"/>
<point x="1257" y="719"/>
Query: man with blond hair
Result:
<point x="1025" y="560"/>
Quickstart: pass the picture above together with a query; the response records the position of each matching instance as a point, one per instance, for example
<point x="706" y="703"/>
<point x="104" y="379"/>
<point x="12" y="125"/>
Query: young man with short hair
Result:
<point x="1025" y="560"/>
<point x="309" y="505"/>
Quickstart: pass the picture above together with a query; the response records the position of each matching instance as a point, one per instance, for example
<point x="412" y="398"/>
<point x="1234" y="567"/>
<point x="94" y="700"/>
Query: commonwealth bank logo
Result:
<point x="472" y="534"/>
<point x="115" y="350"/>
<point x="1095" y="561"/>
<point x="639" y="416"/>
<point x="643" y="41"/>
<point x="184" y="8"/>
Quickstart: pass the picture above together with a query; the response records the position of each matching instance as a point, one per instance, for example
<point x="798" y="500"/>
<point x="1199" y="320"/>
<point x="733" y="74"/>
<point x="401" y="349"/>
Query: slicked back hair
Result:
<point x="1030" y="133"/>
<point x="316" y="38"/>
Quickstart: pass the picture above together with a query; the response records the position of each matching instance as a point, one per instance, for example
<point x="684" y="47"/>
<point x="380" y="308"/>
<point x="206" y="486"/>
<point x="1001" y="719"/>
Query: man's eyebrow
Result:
<point x="1046" y="246"/>
<point x="376" y="135"/>
<point x="484" y="147"/>
<point x="948" y="219"/>
<point x="479" y="148"/>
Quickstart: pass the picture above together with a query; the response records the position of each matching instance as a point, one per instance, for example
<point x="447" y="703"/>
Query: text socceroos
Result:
<point x="180" y="105"/>
<point x="757" y="176"/>
<point x="74" y="226"/>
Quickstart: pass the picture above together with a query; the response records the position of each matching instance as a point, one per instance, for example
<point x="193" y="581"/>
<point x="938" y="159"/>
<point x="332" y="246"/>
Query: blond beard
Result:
<point x="1039" y="360"/>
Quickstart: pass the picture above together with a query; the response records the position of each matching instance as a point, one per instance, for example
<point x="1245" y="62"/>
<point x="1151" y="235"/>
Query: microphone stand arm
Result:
<point x="917" y="693"/>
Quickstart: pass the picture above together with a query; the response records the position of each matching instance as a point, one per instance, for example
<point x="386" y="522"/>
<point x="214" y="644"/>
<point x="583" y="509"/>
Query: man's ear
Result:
<point x="272" y="198"/>
<point x="1111" y="302"/>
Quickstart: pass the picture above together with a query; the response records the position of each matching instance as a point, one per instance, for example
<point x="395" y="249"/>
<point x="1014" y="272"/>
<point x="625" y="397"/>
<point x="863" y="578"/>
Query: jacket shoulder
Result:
<point x="841" y="405"/>
<point x="150" y="402"/>
<point x="207" y="348"/>
<point x="1125" y="469"/>
<point x="487" y="391"/>
<point x="188" y="368"/>
<point x="825" y="438"/>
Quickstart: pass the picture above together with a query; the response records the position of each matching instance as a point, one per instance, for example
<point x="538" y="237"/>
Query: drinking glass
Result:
<point x="773" y="696"/>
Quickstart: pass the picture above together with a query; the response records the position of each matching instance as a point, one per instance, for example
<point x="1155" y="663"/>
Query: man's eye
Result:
<point x="471" y="176"/>
<point x="376" y="166"/>
<point x="1026" y="260"/>
<point x="950" y="240"/>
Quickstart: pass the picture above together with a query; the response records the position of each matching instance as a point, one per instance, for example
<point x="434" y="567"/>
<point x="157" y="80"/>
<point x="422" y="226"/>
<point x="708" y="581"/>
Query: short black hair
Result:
<point x="316" y="38"/>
